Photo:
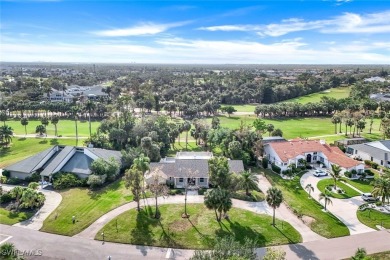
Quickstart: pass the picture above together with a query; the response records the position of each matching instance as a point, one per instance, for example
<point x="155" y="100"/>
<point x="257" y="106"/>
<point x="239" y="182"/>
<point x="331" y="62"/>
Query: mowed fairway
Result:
<point x="22" y="148"/>
<point x="86" y="206"/>
<point x="64" y="127"/>
<point x="305" y="127"/>
<point x="338" y="93"/>
<point x="197" y="232"/>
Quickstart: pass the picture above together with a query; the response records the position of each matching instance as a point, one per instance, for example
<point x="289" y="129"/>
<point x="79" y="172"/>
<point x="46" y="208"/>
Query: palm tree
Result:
<point x="17" y="193"/>
<point x="270" y="129"/>
<point x="24" y="122"/>
<point x="3" y="117"/>
<point x="326" y="198"/>
<point x="141" y="163"/>
<point x="219" y="200"/>
<point x="8" y="251"/>
<point x="6" y="133"/>
<point x="90" y="106"/>
<point x="33" y="185"/>
<point x="186" y="126"/>
<point x="335" y="173"/>
<point x="248" y="181"/>
<point x="274" y="198"/>
<point x="335" y="120"/>
<point x="309" y="189"/>
<point x="75" y="111"/>
<point x="41" y="129"/>
<point x="382" y="189"/>
<point x="54" y="120"/>
<point x="360" y="254"/>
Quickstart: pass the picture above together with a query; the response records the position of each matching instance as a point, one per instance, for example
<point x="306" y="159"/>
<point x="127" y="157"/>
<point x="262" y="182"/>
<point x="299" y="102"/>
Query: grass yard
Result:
<point x="65" y="127"/>
<point x="22" y="148"/>
<point x="338" y="93"/>
<point x="348" y="192"/>
<point x="243" y="108"/>
<point x="9" y="218"/>
<point x="182" y="147"/>
<point x="296" y="197"/>
<point x="363" y="186"/>
<point x="87" y="206"/>
<point x="197" y="232"/>
<point x="372" y="218"/>
<point x="255" y="196"/>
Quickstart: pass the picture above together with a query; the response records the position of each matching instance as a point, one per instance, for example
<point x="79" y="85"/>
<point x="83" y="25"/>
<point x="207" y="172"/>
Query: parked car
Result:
<point x="368" y="197"/>
<point x="320" y="173"/>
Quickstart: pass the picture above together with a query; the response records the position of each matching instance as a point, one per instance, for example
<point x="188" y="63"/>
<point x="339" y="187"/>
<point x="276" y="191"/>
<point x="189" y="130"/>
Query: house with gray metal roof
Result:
<point x="61" y="159"/>
<point x="190" y="168"/>
<point x="377" y="152"/>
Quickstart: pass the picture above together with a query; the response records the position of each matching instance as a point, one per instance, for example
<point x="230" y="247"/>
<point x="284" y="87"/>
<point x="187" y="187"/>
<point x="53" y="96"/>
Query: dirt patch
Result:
<point x="183" y="224"/>
<point x="308" y="221"/>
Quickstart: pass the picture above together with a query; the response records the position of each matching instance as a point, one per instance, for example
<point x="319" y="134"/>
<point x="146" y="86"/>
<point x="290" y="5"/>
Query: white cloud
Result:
<point x="346" y="23"/>
<point x="178" y="50"/>
<point x="139" y="30"/>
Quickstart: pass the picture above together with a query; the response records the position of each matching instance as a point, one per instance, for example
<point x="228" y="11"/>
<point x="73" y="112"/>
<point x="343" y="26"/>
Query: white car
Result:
<point x="368" y="197"/>
<point x="320" y="173"/>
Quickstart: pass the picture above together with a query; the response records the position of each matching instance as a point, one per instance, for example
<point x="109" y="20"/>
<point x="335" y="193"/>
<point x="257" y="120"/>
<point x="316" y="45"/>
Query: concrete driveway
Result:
<point x="53" y="199"/>
<point x="343" y="209"/>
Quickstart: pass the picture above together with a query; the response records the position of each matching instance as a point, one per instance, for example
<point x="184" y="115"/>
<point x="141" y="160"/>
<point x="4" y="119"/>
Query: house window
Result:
<point x="201" y="179"/>
<point x="372" y="159"/>
<point x="381" y="162"/>
<point x="355" y="151"/>
<point x="315" y="153"/>
<point x="321" y="159"/>
<point x="314" y="158"/>
<point x="181" y="179"/>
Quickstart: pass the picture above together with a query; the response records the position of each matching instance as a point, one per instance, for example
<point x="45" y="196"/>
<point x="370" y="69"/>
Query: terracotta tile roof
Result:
<point x="293" y="148"/>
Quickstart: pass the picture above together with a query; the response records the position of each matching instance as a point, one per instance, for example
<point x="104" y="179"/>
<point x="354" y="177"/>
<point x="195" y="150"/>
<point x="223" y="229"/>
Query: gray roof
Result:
<point x="106" y="154"/>
<point x="268" y="139"/>
<point x="374" y="149"/>
<point x="57" y="160"/>
<point x="29" y="164"/>
<point x="79" y="163"/>
<point x="178" y="169"/>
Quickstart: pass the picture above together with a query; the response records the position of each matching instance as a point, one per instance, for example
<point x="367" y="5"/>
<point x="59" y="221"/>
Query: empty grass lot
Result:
<point x="87" y="206"/>
<point x="348" y="191"/>
<point x="362" y="185"/>
<point x="338" y="93"/>
<point x="296" y="197"/>
<point x="197" y="232"/>
<point x="22" y="148"/>
<point x="372" y="218"/>
<point x="65" y="127"/>
<point x="9" y="218"/>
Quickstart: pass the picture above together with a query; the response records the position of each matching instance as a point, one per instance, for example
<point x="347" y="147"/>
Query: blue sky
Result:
<point x="242" y="32"/>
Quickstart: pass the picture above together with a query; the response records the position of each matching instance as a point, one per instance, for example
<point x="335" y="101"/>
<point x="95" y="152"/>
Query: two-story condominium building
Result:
<point x="282" y="154"/>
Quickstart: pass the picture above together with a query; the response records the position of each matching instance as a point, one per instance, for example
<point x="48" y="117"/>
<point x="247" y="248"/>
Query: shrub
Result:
<point x="14" y="181"/>
<point x="368" y="162"/>
<point x="369" y="172"/>
<point x="348" y="174"/>
<point x="202" y="191"/>
<point x="95" y="181"/>
<point x="275" y="168"/>
<point x="378" y="203"/>
<point x="309" y="167"/>
<point x="63" y="180"/>
<point x="264" y="163"/>
<point x="175" y="192"/>
<point x="5" y="198"/>
<point x="35" y="177"/>
<point x="6" y="173"/>
<point x="374" y="165"/>
<point x="353" y="172"/>
<point x="3" y="179"/>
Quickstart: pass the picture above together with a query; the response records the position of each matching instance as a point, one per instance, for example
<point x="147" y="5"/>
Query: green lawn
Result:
<point x="255" y="196"/>
<point x="338" y="93"/>
<point x="65" y="127"/>
<point x="87" y="206"/>
<point x="363" y="186"/>
<point x="372" y="218"/>
<point x="9" y="218"/>
<point x="349" y="192"/>
<point x="182" y="147"/>
<point x="197" y="232"/>
<point x="244" y="108"/>
<point x="296" y="197"/>
<point x="22" y="148"/>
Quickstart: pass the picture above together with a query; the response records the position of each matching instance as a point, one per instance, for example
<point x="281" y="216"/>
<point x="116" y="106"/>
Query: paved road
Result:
<point x="62" y="247"/>
<point x="343" y="209"/>
<point x="53" y="199"/>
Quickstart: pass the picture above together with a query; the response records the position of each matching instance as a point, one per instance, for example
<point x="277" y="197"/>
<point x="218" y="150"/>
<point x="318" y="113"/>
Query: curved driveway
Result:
<point x="343" y="209"/>
<point x="53" y="199"/>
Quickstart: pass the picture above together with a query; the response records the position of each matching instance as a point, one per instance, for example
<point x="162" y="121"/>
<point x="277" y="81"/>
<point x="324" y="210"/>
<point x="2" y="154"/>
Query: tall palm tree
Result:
<point x="335" y="173"/>
<point x="186" y="126"/>
<point x="335" y="120"/>
<point x="248" y="181"/>
<point x="219" y="200"/>
<point x="6" y="133"/>
<point x="382" y="189"/>
<point x="75" y="110"/>
<point x="309" y="189"/>
<point x="54" y="120"/>
<point x="90" y="106"/>
<point x="24" y="122"/>
<point x="274" y="198"/>
<point x="141" y="163"/>
<point x="326" y="198"/>
<point x="270" y="129"/>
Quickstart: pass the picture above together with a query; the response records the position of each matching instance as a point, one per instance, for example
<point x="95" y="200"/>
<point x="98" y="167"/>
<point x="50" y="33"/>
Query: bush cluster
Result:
<point x="275" y="168"/>
<point x="63" y="180"/>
